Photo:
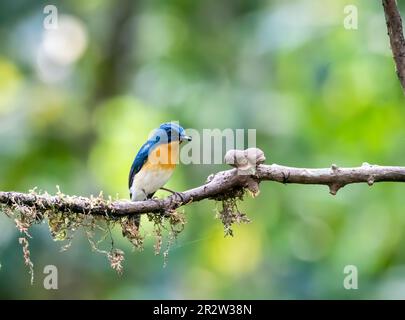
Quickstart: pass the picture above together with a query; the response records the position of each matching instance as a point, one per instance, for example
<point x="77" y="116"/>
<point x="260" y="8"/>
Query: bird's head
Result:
<point x="169" y="132"/>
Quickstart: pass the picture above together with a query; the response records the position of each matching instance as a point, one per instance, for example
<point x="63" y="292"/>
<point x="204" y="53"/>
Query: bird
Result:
<point x="155" y="162"/>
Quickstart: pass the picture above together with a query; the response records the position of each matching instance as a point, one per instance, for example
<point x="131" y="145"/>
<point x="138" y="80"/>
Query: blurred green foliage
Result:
<point x="74" y="114"/>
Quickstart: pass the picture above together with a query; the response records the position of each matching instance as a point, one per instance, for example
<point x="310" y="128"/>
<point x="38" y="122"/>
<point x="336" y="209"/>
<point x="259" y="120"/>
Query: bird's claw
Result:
<point x="176" y="194"/>
<point x="180" y="195"/>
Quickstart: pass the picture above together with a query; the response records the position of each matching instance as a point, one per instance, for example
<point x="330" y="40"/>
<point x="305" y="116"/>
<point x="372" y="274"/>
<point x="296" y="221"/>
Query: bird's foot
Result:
<point x="177" y="194"/>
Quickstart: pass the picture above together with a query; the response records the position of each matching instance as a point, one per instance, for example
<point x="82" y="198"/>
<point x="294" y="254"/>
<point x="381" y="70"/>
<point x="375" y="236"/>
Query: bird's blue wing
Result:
<point x="139" y="161"/>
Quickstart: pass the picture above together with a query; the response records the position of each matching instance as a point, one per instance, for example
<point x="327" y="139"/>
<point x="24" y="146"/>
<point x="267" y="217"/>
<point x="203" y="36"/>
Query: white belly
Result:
<point x="147" y="182"/>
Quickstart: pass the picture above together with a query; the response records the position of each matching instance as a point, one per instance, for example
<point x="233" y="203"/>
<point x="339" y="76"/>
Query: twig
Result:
<point x="395" y="32"/>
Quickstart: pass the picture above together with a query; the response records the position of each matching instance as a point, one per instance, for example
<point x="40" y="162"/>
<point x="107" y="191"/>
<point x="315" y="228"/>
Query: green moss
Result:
<point x="64" y="224"/>
<point x="229" y="212"/>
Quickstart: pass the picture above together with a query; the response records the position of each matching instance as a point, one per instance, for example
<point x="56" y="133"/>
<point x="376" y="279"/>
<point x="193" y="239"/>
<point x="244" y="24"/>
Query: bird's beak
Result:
<point x="185" y="138"/>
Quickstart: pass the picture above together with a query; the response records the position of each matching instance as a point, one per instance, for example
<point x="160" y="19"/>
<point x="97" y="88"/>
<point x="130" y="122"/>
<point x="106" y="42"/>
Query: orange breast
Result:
<point x="163" y="157"/>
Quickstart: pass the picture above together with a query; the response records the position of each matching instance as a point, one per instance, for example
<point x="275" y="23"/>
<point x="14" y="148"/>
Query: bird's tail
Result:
<point x="130" y="227"/>
<point x="136" y="220"/>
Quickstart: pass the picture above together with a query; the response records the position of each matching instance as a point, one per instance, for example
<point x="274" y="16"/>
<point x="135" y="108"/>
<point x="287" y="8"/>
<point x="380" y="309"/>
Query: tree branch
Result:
<point x="395" y="32"/>
<point x="220" y="186"/>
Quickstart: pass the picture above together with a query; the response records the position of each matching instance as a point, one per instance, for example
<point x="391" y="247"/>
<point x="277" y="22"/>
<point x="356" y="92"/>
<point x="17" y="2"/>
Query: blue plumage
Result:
<point x="140" y="159"/>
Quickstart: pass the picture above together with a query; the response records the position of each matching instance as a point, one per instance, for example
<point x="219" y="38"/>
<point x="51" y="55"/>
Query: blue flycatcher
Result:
<point x="155" y="162"/>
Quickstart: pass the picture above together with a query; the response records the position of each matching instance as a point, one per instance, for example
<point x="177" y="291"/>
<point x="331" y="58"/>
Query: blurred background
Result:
<point x="76" y="103"/>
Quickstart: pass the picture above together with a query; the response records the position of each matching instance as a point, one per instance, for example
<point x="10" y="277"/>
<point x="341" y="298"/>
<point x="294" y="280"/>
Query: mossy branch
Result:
<point x="66" y="214"/>
<point x="221" y="185"/>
